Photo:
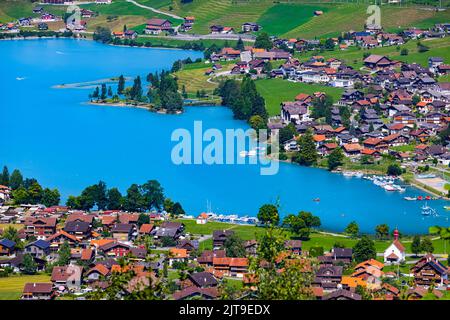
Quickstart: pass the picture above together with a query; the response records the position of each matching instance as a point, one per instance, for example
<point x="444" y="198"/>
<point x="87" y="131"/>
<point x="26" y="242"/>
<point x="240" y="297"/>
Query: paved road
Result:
<point x="155" y="10"/>
<point x="194" y="37"/>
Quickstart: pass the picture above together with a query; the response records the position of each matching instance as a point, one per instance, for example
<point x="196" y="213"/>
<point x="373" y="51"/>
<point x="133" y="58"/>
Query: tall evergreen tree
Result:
<point x="307" y="154"/>
<point x="16" y="179"/>
<point x="121" y="85"/>
<point x="4" y="177"/>
<point x="114" y="199"/>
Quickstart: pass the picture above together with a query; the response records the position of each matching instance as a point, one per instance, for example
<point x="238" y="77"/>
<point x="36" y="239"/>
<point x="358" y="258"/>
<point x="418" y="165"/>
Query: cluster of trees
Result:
<point x="419" y="245"/>
<point x="263" y="41"/>
<point x="322" y="108"/>
<point x="29" y="33"/>
<point x="307" y="153"/>
<point x="101" y="93"/>
<point x="102" y="34"/>
<point x="28" y="190"/>
<point x="301" y="224"/>
<point x="243" y="99"/>
<point x="139" y="198"/>
<point x="294" y="283"/>
<point x="147" y="196"/>
<point x="163" y="92"/>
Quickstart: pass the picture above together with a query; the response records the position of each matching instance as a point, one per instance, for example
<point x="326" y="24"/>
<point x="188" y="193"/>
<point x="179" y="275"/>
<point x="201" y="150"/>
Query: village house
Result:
<point x="7" y="247"/>
<point x="177" y="255"/>
<point x="123" y="231"/>
<point x="294" y="111"/>
<point x="40" y="227"/>
<point x="96" y="273"/>
<point x="38" y="291"/>
<point x="207" y="256"/>
<point x="156" y="26"/>
<point x="374" y="61"/>
<point x="234" y="267"/>
<point x="328" y="277"/>
<point x="114" y="249"/>
<point x="38" y="248"/>
<point x="294" y="246"/>
<point x="250" y="27"/>
<point x="429" y="271"/>
<point x="66" y="276"/>
<point x="57" y="239"/>
<point x="342" y="294"/>
<point x="220" y="236"/>
<point x="79" y="229"/>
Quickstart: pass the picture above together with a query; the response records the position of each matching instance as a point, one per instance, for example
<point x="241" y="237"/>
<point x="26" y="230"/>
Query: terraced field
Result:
<point x="225" y="12"/>
<point x="291" y="19"/>
<point x="344" y="17"/>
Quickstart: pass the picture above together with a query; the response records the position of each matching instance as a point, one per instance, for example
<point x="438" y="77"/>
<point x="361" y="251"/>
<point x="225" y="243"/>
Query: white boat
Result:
<point x="389" y="187"/>
<point x="399" y="188"/>
<point x="251" y="153"/>
<point x="243" y="154"/>
<point x="428" y="211"/>
<point x="410" y="198"/>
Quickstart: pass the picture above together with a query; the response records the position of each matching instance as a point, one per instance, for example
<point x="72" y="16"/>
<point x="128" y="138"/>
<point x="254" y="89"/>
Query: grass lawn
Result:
<point x="14" y="225"/>
<point x="405" y="148"/>
<point x="193" y="77"/>
<point x="327" y="241"/>
<point x="276" y="91"/>
<point x="11" y="287"/>
<point x="289" y="16"/>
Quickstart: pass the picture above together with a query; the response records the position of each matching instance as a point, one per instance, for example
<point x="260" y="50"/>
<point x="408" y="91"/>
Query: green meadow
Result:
<point x="276" y="91"/>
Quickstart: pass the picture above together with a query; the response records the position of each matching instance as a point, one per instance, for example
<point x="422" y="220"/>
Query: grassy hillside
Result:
<point x="296" y="18"/>
<point x="290" y="19"/>
<point x="14" y="9"/>
<point x="354" y="56"/>
<point x="344" y="17"/>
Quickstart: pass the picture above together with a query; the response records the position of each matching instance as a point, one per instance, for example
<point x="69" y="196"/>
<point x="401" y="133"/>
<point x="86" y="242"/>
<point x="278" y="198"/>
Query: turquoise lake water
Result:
<point x="50" y="134"/>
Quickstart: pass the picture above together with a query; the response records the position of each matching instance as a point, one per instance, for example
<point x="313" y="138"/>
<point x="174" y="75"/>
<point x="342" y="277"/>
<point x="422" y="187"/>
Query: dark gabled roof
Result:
<point x="221" y="234"/>
<point x="342" y="252"/>
<point x="77" y="226"/>
<point x="38" y="287"/>
<point x="138" y="252"/>
<point x="203" y="279"/>
<point x="331" y="271"/>
<point x="108" y="263"/>
<point x="7" y="243"/>
<point x="341" y="293"/>
<point x="193" y="290"/>
<point x="41" y="244"/>
<point x="171" y="225"/>
<point x="112" y="245"/>
<point x="292" y="244"/>
<point x="166" y="232"/>
<point x="122" y="228"/>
